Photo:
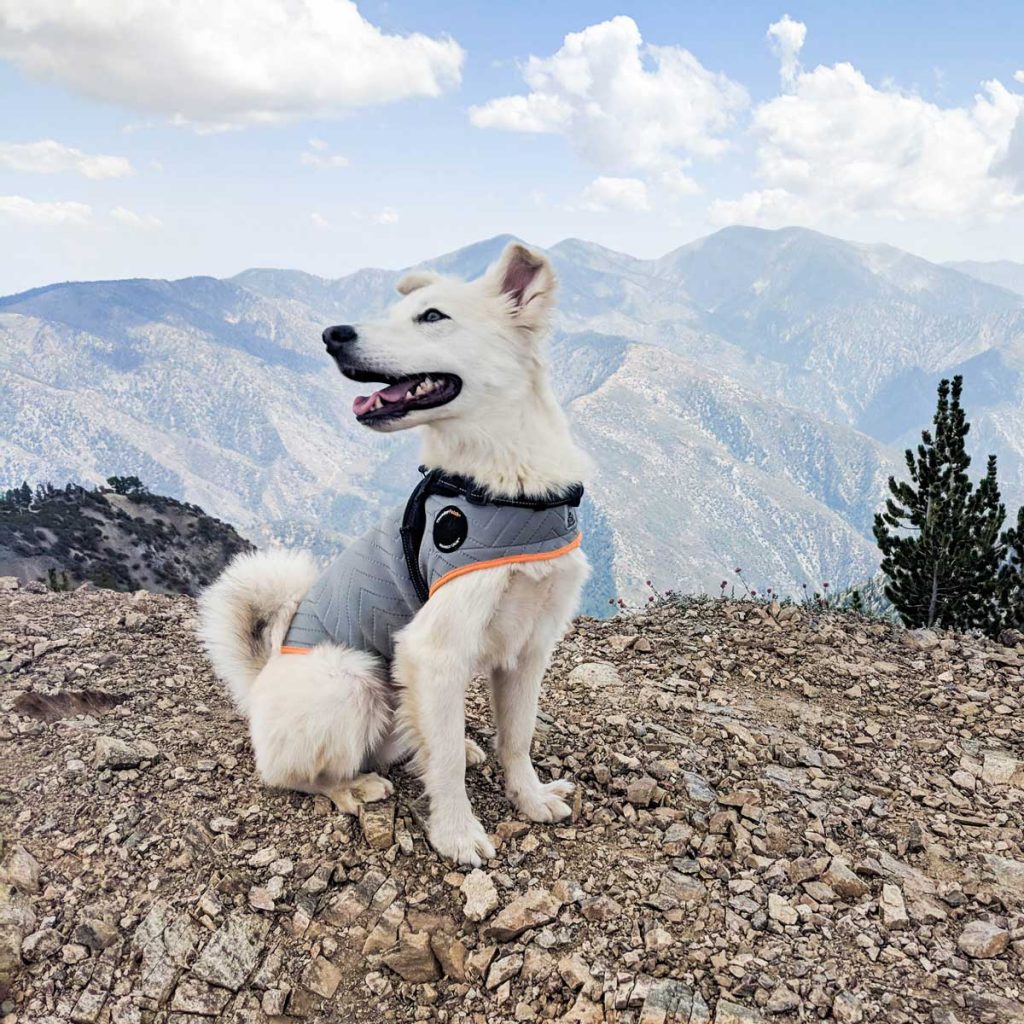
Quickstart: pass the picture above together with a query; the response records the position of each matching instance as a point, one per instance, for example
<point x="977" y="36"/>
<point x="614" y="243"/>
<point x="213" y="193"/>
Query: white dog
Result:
<point x="464" y="361"/>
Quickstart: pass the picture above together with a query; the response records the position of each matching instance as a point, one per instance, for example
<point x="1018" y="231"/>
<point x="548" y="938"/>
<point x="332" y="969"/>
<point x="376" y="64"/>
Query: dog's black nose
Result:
<point x="335" y="338"/>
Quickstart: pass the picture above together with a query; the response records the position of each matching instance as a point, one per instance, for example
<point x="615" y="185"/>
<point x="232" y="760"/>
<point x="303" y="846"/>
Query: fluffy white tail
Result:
<point x="244" y="615"/>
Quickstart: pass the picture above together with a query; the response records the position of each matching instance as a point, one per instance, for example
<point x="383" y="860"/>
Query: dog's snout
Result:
<point x="335" y="338"/>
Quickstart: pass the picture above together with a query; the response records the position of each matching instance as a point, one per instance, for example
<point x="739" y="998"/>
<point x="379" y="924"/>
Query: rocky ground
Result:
<point x="779" y="816"/>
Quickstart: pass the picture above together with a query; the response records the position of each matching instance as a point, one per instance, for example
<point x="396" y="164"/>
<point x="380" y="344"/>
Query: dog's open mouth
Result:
<point x="403" y="394"/>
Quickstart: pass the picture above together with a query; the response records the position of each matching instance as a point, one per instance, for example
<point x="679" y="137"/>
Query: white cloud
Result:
<point x="837" y="147"/>
<point x="131" y="219"/>
<point x="786" y="38"/>
<point x="388" y="215"/>
<point x="28" y="211"/>
<point x="616" y="194"/>
<point x="51" y="157"/>
<point x="1018" y="76"/>
<point x="220" y="63"/>
<point x="319" y="155"/>
<point x="318" y="220"/>
<point x="623" y="105"/>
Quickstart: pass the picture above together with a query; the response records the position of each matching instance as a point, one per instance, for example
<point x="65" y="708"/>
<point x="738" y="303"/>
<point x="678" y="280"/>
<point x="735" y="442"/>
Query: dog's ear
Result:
<point x="526" y="279"/>
<point x="416" y="279"/>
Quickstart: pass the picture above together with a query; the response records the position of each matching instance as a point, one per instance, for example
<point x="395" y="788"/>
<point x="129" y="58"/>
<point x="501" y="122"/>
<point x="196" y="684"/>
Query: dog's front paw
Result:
<point x="546" y="801"/>
<point x="460" y="837"/>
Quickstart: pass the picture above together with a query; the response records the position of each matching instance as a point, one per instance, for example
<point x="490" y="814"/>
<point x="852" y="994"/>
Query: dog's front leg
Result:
<point x="514" y="694"/>
<point x="434" y="662"/>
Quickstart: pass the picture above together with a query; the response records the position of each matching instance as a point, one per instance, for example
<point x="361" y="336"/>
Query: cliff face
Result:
<point x="777" y="817"/>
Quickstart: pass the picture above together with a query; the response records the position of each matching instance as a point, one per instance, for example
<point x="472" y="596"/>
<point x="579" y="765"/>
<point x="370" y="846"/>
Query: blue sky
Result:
<point x="160" y="138"/>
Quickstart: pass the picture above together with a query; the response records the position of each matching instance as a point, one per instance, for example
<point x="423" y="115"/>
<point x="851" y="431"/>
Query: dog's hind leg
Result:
<point x="315" y="719"/>
<point x="350" y="794"/>
<point x="475" y="754"/>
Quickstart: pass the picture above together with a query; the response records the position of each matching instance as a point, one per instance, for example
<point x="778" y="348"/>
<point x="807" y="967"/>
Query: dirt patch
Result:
<point x="52" y="707"/>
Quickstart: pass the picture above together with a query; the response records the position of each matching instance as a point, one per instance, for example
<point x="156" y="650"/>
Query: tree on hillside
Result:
<point x="988" y="513"/>
<point x="126" y="485"/>
<point x="939" y="536"/>
<point x="1011" y="576"/>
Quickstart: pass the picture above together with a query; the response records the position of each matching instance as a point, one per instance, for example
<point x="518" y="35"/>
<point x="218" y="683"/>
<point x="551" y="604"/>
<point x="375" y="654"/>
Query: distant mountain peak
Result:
<point x="756" y="387"/>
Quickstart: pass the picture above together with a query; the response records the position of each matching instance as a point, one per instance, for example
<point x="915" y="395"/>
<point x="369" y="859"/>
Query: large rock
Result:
<point x="728" y="1012"/>
<point x="480" y="894"/>
<point x="378" y="824"/>
<point x="840" y="877"/>
<point x="413" y="959"/>
<point x="532" y="910"/>
<point x="698" y="789"/>
<point x="595" y="675"/>
<point x="322" y="977"/>
<point x="1008" y="874"/>
<point x="353" y="900"/>
<point x="669" y="1001"/>
<point x="846" y="1008"/>
<point x="1002" y="769"/>
<point x="233" y="952"/>
<point x="22" y="870"/>
<point x="17" y="920"/>
<point x="892" y="907"/>
<point x="195" y="996"/>
<point x="115" y="753"/>
<point x="982" y="940"/>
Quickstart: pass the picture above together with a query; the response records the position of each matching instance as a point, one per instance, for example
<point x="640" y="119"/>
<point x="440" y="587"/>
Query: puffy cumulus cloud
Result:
<point x="616" y="194"/>
<point x="131" y="219"/>
<point x="221" y="63"/>
<point x="28" y="211"/>
<point x="388" y="215"/>
<point x="1018" y="76"/>
<point x="623" y="105"/>
<point x="837" y="147"/>
<point x="786" y="38"/>
<point x="51" y="157"/>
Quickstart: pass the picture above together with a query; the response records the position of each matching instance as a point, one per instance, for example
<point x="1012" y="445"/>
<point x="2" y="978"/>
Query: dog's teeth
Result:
<point x="377" y="404"/>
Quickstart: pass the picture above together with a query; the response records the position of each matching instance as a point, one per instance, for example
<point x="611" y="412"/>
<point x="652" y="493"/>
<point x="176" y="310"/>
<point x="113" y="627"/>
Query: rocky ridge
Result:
<point x="70" y="535"/>
<point x="778" y="816"/>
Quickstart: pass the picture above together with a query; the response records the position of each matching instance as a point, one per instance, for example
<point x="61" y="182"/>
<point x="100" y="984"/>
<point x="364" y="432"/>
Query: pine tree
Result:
<point x="939" y="537"/>
<point x="130" y="485"/>
<point x="988" y="514"/>
<point x="1011" y="577"/>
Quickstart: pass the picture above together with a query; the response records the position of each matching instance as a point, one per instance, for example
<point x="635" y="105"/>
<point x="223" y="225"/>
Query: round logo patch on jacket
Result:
<point x="450" y="528"/>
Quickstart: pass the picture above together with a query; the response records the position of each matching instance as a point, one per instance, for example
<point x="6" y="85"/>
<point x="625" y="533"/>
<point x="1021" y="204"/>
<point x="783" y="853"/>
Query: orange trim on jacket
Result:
<point x="541" y="556"/>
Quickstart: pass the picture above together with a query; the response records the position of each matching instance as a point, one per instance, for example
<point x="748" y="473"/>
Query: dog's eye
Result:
<point x="431" y="316"/>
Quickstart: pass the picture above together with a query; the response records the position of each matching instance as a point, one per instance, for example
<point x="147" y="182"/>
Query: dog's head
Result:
<point x="448" y="348"/>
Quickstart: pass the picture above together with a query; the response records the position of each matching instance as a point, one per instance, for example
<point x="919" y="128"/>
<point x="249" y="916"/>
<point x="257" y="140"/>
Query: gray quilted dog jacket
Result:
<point x="447" y="528"/>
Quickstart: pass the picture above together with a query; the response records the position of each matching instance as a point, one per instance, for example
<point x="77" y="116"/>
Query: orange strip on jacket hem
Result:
<point x="296" y="650"/>
<point x="542" y="556"/>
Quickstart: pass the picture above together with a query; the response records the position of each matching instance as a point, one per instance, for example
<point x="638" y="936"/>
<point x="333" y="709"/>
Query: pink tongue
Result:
<point x="394" y="393"/>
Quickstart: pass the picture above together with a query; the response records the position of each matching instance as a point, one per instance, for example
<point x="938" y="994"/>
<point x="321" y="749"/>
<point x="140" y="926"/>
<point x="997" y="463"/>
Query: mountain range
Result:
<point x="744" y="397"/>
